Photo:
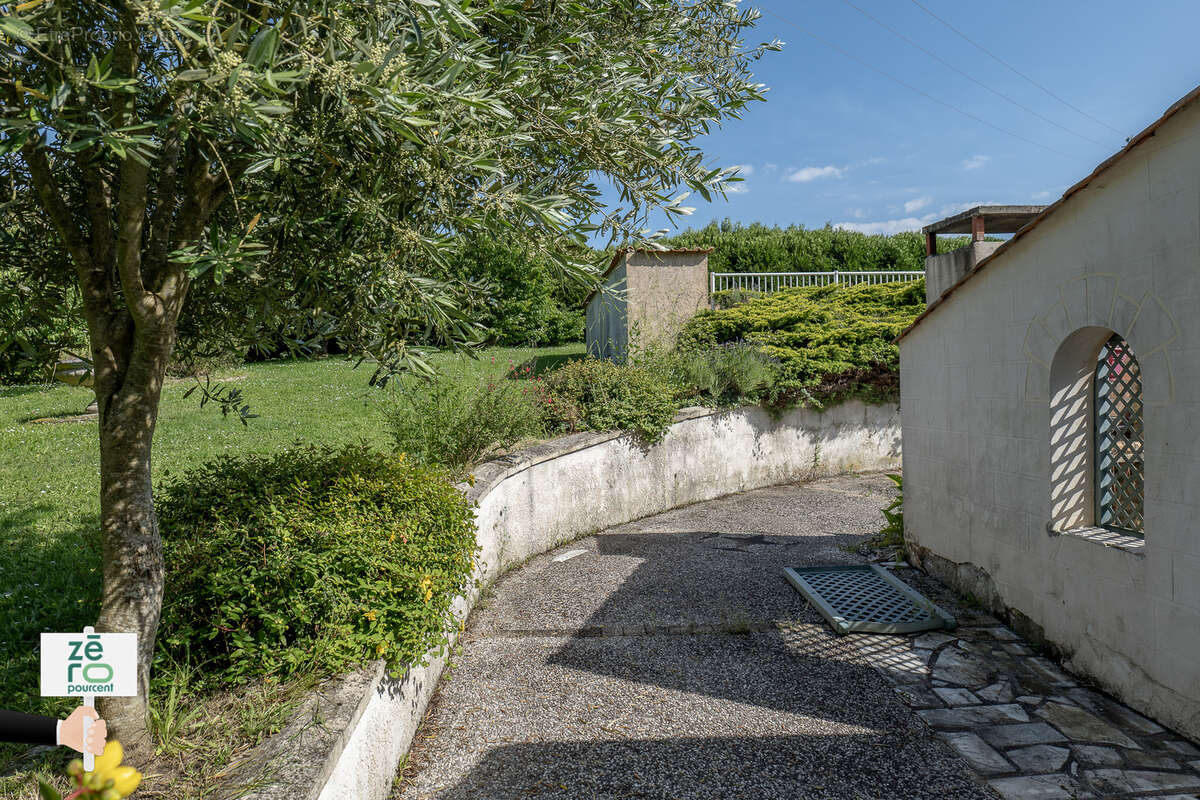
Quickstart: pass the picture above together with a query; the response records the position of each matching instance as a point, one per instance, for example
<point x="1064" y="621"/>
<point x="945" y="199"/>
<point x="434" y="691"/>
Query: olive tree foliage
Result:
<point x="225" y="168"/>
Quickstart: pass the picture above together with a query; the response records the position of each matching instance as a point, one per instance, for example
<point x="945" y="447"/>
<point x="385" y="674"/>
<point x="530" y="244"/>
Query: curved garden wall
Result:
<point x="349" y="738"/>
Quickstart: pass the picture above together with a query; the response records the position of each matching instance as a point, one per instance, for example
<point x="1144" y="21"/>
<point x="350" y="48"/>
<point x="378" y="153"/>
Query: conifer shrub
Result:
<point x="830" y="342"/>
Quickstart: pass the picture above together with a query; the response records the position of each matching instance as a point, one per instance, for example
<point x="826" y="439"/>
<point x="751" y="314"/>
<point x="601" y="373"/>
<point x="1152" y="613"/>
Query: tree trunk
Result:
<point x="128" y="388"/>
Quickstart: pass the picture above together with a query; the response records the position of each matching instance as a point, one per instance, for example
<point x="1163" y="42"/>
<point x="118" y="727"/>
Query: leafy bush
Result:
<point x="598" y="395"/>
<point x="893" y="533"/>
<point x="314" y="558"/>
<point x="38" y="320"/>
<point x="832" y="342"/>
<point x="525" y="303"/>
<point x="455" y="423"/>
<point x="726" y="374"/>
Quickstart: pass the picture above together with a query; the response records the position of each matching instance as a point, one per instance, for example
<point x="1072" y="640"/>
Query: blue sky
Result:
<point x="837" y="142"/>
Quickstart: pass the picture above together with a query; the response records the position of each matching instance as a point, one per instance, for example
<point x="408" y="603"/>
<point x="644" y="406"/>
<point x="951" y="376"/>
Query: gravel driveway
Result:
<point x="671" y="659"/>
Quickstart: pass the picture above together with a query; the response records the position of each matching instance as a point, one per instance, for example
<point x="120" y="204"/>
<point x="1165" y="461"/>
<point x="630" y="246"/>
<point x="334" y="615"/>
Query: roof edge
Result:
<point x="1134" y="141"/>
<point x="628" y="251"/>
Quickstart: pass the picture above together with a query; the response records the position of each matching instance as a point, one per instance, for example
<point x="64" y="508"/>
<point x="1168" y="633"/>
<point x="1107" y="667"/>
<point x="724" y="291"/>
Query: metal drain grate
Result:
<point x="867" y="599"/>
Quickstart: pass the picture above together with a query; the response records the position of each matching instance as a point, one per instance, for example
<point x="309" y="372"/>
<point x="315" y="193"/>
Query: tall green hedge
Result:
<point x="763" y="248"/>
<point x="831" y="342"/>
<point x="526" y="304"/>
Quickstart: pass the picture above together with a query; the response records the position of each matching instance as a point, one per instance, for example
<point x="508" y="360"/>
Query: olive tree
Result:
<point x="303" y="163"/>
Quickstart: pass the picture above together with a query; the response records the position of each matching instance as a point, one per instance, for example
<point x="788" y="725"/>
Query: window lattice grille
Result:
<point x="1119" y="466"/>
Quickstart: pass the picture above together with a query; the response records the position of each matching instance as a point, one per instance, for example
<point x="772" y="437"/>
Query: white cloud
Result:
<point x="975" y="162"/>
<point x="887" y="226"/>
<point x="770" y="166"/>
<point x="744" y="170"/>
<point x="1044" y="195"/>
<point x="737" y="188"/>
<point x="806" y="174"/>
<point x="858" y="213"/>
<point x="890" y="226"/>
<point x="917" y="203"/>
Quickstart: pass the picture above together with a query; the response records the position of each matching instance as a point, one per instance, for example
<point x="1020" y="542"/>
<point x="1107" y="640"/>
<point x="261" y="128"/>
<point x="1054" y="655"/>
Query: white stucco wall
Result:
<point x="1124" y="255"/>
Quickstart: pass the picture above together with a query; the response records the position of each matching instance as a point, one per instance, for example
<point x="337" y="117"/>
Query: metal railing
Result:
<point x="776" y="281"/>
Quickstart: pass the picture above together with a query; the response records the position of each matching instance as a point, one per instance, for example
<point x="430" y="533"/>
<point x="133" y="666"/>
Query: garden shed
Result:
<point x="1051" y="424"/>
<point x="644" y="298"/>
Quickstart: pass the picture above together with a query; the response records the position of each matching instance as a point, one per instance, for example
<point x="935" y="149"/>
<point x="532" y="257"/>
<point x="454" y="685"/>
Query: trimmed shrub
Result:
<point x="598" y="395"/>
<point x="831" y="342"/>
<point x="316" y="558"/>
<point x="455" y="423"/>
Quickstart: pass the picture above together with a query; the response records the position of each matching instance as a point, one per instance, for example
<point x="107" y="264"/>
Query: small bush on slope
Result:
<point x="599" y="395"/>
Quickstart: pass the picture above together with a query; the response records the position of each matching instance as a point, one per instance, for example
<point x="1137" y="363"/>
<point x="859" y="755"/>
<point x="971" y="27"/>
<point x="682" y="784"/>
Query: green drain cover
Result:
<point x="867" y="599"/>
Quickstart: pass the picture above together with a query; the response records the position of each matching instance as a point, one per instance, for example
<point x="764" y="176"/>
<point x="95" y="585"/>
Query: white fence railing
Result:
<point x="776" y="281"/>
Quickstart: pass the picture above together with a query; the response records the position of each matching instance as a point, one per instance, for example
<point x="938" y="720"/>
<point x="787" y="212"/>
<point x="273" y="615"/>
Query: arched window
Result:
<point x="1120" y="483"/>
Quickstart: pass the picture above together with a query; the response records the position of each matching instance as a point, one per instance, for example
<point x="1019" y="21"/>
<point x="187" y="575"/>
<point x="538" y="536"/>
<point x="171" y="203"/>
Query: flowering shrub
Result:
<point x="314" y="558"/>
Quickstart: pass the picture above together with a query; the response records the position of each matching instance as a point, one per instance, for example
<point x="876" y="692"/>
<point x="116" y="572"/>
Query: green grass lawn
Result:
<point x="49" y="479"/>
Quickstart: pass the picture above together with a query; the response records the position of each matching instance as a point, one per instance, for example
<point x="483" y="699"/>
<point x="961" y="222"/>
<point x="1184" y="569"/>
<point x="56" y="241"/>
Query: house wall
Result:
<point x="665" y="291"/>
<point x="983" y="506"/>
<point x="606" y="318"/>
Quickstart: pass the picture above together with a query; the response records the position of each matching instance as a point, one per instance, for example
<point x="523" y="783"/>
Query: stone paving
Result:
<point x="669" y="658"/>
<point x="1031" y="729"/>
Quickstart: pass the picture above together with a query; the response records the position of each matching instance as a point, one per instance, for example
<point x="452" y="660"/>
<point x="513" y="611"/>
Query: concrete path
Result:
<point x="669" y="658"/>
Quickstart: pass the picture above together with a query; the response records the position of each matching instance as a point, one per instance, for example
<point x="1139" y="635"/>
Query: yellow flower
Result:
<point x="427" y="585"/>
<point x="370" y="615"/>
<point x="125" y="780"/>
<point x="109" y="774"/>
<point x="111" y="757"/>
<point x="381" y="648"/>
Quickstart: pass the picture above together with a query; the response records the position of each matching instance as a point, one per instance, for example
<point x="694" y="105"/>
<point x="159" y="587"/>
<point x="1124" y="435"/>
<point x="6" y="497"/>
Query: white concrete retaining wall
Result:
<point x="538" y="498"/>
<point x="997" y="470"/>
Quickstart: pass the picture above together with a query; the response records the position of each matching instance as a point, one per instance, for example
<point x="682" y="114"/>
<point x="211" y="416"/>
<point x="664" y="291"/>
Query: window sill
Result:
<point x="1103" y="536"/>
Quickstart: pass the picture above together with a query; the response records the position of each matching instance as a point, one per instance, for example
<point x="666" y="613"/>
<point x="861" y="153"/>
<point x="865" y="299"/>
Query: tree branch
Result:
<point x="166" y="196"/>
<point x="52" y="202"/>
<point x="131" y="219"/>
<point x="98" y="198"/>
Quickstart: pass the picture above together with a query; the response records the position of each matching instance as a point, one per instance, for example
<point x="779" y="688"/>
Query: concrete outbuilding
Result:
<point x="1050" y="396"/>
<point x="644" y="298"/>
<point x="943" y="271"/>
